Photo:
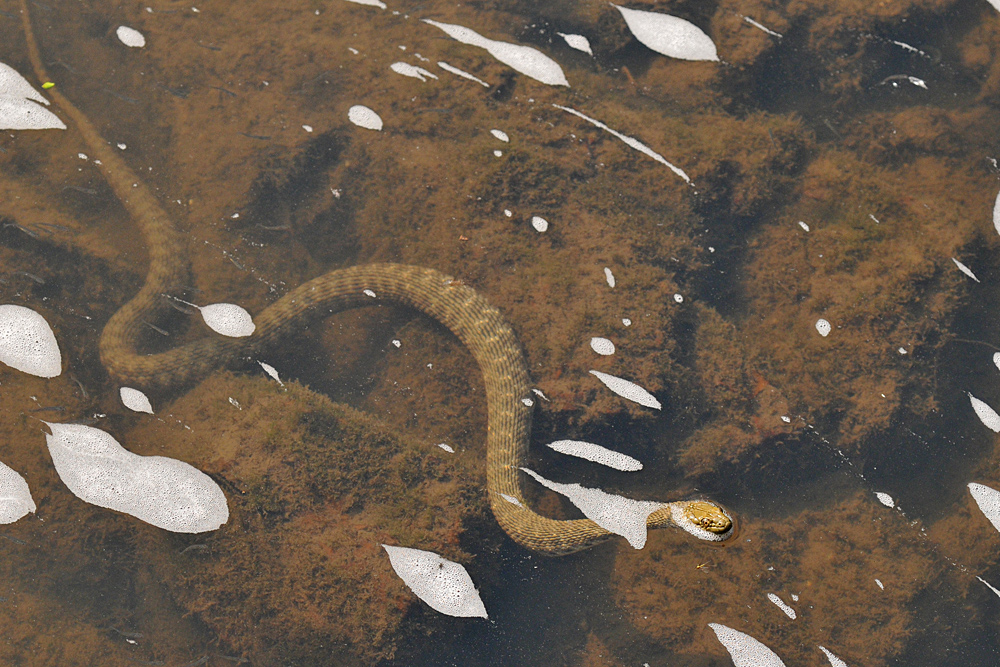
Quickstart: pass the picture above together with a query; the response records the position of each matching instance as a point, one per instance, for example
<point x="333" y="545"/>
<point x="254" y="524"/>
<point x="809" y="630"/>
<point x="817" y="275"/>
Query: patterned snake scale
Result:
<point x="477" y="324"/>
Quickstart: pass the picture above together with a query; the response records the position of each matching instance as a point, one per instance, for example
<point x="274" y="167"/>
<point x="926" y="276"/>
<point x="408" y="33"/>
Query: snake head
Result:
<point x="708" y="516"/>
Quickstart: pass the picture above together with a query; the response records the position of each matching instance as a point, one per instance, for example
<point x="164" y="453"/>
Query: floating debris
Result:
<point x="986" y="414"/>
<point x="610" y="277"/>
<point x="989" y="502"/>
<point x="540" y="224"/>
<point x="626" y="321"/>
<point x="678" y="298"/>
<point x="15" y="498"/>
<point x="445" y="586"/>
<point x="629" y="141"/>
<point x="621" y="516"/>
<point x="501" y="135"/>
<point x="964" y="269"/>
<point x="272" y="371"/>
<point x="370" y="293"/>
<point x="669" y="35"/>
<point x="524" y="59"/>
<point x="457" y="72"/>
<point x="364" y="117"/>
<point x="834" y="660"/>
<point x="803" y="225"/>
<point x="164" y="492"/>
<point x="135" y="400"/>
<point x="370" y="3"/>
<point x="744" y="649"/>
<point x="885" y="499"/>
<point x="789" y="612"/>
<point x="597" y="454"/>
<point x="27" y="342"/>
<point x="130" y="37"/>
<point x="823" y="327"/>
<point x="447" y="448"/>
<point x="18" y="110"/>
<point x="411" y="71"/>
<point x="497" y="153"/>
<point x="879" y="583"/>
<point x="578" y="42"/>
<point x="602" y="346"/>
<point x="989" y="586"/>
<point x="762" y="27"/>
<point x="626" y="389"/>
<point x="228" y="319"/>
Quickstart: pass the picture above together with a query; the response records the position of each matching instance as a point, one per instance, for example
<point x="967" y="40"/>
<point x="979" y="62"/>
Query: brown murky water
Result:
<point x="840" y="161"/>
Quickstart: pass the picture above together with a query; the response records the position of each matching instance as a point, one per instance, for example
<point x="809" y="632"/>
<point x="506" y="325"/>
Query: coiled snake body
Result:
<point x="465" y="313"/>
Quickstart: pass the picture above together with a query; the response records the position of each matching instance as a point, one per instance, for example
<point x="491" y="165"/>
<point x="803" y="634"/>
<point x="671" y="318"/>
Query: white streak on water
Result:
<point x="370" y="3"/>
<point x="986" y="414"/>
<point x="761" y="27"/>
<point x="409" y="70"/>
<point x="789" y="612"/>
<point x="834" y="660"/>
<point x="629" y="141"/>
<point x="988" y="585"/>
<point x="629" y="390"/>
<point x="597" y="454"/>
<point x="457" y="72"/>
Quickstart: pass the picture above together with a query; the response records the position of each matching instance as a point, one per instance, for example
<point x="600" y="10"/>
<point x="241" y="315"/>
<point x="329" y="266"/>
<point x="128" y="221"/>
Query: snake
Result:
<point x="478" y="325"/>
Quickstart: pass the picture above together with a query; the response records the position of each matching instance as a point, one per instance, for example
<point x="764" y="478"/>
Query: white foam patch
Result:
<point x="540" y="224"/>
<point x="462" y="73"/>
<point x="130" y="37"/>
<point x="524" y="59"/>
<point x="602" y="346"/>
<point x="164" y="492"/>
<point x="447" y="448"/>
<point x="411" y="71"/>
<point x="780" y="604"/>
<point x="834" y="660"/>
<point x="885" y="499"/>
<point x="511" y="499"/>
<point x="228" y="319"/>
<point x="27" y="342"/>
<point x="762" y="27"/>
<point x="135" y="400"/>
<point x="18" y="110"/>
<point x="272" y="371"/>
<point x="597" y="454"/>
<point x="989" y="586"/>
<point x="610" y="277"/>
<point x="621" y="516"/>
<point x="744" y="649"/>
<point x="996" y="360"/>
<point x="878" y="582"/>
<point x="370" y="3"/>
<point x="986" y="414"/>
<point x="501" y="135"/>
<point x="364" y="117"/>
<point x="629" y="141"/>
<point x="626" y="389"/>
<point x="803" y="225"/>
<point x="996" y="204"/>
<point x="15" y="498"/>
<point x="989" y="502"/>
<point x="823" y="327"/>
<point x="442" y="584"/>
<point x="669" y="35"/>
<point x="964" y="269"/>
<point x="578" y="42"/>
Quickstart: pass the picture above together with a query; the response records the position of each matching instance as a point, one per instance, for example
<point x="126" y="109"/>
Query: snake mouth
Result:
<point x="706" y="520"/>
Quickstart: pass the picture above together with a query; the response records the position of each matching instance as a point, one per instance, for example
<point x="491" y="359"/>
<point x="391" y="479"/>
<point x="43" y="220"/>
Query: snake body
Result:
<point x="477" y="324"/>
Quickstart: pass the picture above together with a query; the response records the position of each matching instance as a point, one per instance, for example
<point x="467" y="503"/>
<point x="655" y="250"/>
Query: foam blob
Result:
<point x="823" y="327"/>
<point x="986" y="414"/>
<point x="996" y="360"/>
<point x="885" y="499"/>
<point x="626" y="389"/>
<point x="540" y="224"/>
<point x="364" y="117"/>
<point x="964" y="269"/>
<point x="27" y="342"/>
<point x="834" y="660"/>
<point x="18" y="110"/>
<point x="228" y="319"/>
<point x="669" y="35"/>
<point x="744" y="649"/>
<point x="272" y="371"/>
<point x="501" y="135"/>
<point x="409" y="70"/>
<point x="447" y="448"/>
<point x="133" y="399"/>
<point x="780" y="604"/>
<point x="989" y="502"/>
<point x="578" y="42"/>
<point x="597" y="454"/>
<point x="130" y="37"/>
<point x="15" y="498"/>
<point x="996" y="204"/>
<point x="610" y="277"/>
<point x="442" y="584"/>
<point x="602" y="346"/>
<point x="164" y="492"/>
<point x="524" y="59"/>
<point x="621" y="516"/>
